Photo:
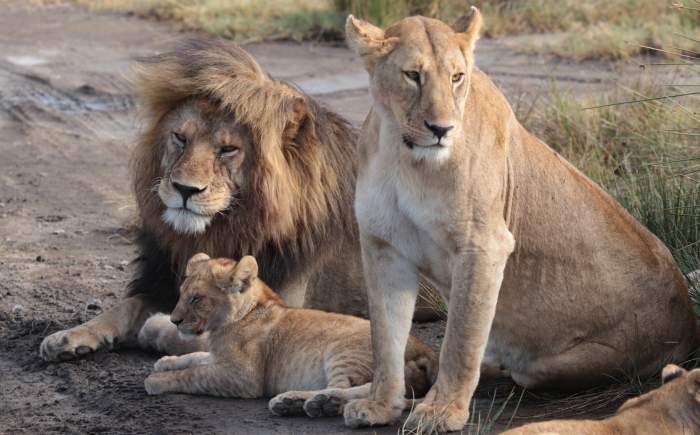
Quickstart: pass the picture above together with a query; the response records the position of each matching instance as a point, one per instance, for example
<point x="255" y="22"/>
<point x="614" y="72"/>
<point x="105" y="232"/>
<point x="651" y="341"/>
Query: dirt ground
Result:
<point x="67" y="123"/>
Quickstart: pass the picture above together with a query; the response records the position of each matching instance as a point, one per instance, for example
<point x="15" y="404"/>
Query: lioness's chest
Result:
<point x="392" y="205"/>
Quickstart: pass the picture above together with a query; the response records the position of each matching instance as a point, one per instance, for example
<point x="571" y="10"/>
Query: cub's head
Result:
<point x="680" y="393"/>
<point x="419" y="77"/>
<point x="215" y="292"/>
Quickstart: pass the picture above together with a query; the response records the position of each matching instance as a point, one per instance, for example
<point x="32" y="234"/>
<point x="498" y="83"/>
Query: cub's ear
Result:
<point x="671" y="372"/>
<point x="244" y="273"/>
<point x="467" y="28"/>
<point x="368" y="40"/>
<point x="195" y="262"/>
<point x="692" y="383"/>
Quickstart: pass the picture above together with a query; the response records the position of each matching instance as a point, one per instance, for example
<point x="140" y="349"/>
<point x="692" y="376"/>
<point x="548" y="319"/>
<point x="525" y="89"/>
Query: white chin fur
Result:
<point x="435" y="154"/>
<point x="186" y="222"/>
<point x="187" y="336"/>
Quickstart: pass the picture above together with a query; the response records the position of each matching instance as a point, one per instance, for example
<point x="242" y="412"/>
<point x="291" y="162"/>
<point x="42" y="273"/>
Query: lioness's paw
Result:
<point x="157" y="383"/>
<point x="285" y="404"/>
<point x="323" y="405"/>
<point x="365" y="412"/>
<point x="165" y="364"/>
<point x="69" y="344"/>
<point x="427" y="418"/>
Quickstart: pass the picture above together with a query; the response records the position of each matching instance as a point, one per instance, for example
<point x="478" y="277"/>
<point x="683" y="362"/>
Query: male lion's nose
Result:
<point x="176" y="321"/>
<point x="438" y="130"/>
<point x="187" y="191"/>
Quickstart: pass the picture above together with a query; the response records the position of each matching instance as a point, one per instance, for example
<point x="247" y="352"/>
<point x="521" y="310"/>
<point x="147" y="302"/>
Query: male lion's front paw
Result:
<point x="365" y="412"/>
<point x="427" y="418"/>
<point x="165" y="364"/>
<point x="287" y="404"/>
<point x="323" y="405"/>
<point x="157" y="383"/>
<point x="69" y="344"/>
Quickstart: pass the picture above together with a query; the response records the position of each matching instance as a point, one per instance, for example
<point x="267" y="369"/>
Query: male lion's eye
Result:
<point x="457" y="77"/>
<point x="180" y="138"/>
<point x="229" y="149"/>
<point x="413" y="75"/>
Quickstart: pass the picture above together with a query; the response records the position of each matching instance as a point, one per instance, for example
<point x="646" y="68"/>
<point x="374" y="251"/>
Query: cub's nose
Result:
<point x="437" y="130"/>
<point x="187" y="191"/>
<point x="176" y="321"/>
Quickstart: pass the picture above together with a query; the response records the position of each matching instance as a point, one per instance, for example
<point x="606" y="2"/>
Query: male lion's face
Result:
<point x="419" y="78"/>
<point x="204" y="165"/>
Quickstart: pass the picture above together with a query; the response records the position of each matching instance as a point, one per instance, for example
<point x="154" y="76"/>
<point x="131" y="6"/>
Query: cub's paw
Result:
<point x="365" y="412"/>
<point x="157" y="383"/>
<point x="323" y="405"/>
<point x="165" y="364"/>
<point x="427" y="418"/>
<point x="70" y="344"/>
<point x="287" y="404"/>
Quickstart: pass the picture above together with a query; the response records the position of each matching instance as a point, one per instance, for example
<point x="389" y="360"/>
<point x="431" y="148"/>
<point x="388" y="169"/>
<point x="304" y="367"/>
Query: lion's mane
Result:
<point x="298" y="206"/>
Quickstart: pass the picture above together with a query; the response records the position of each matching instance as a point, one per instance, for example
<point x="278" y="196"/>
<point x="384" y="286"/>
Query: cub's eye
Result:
<point x="457" y="77"/>
<point x="228" y="150"/>
<point x="413" y="75"/>
<point x="194" y="299"/>
<point x="180" y="138"/>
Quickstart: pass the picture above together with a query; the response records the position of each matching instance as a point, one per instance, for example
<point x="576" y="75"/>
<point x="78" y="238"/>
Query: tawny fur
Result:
<point x="672" y="409"/>
<point x="273" y="174"/>
<point x="547" y="278"/>
<point x="314" y="361"/>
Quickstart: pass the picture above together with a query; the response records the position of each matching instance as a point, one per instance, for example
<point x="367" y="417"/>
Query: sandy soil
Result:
<point x="67" y="123"/>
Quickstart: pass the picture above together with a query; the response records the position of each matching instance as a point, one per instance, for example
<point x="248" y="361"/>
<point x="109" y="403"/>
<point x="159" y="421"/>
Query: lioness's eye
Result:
<point x="457" y="77"/>
<point x="229" y="149"/>
<point x="413" y="75"/>
<point x="180" y="138"/>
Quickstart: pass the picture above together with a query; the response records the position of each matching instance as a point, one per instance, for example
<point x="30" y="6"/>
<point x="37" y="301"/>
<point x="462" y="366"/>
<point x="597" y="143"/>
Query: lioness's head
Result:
<point x="204" y="164"/>
<point x="215" y="293"/>
<point x="419" y="77"/>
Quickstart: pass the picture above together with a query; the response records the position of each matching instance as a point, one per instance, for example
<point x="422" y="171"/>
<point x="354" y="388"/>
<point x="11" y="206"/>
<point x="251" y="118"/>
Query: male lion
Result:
<point x="261" y="348"/>
<point x="233" y="162"/>
<point x="673" y="409"/>
<point x="545" y="275"/>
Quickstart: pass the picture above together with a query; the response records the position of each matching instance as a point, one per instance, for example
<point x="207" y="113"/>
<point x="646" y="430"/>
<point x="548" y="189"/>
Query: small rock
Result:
<point x="2" y="204"/>
<point x="124" y="263"/>
<point x="59" y="232"/>
<point x="40" y="259"/>
<point x="17" y="307"/>
<point x="95" y="304"/>
<point x="4" y="215"/>
<point x="108" y="267"/>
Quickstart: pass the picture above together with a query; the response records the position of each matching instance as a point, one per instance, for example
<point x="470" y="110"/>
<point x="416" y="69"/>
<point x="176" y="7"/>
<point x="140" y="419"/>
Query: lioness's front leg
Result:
<point x="212" y="379"/>
<point x="392" y="288"/>
<point x="476" y="280"/>
<point x="118" y="325"/>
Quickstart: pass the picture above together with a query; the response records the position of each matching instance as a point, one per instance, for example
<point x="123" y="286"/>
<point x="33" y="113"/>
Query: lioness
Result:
<point x="673" y="409"/>
<point x="260" y="348"/>
<point x="546" y="276"/>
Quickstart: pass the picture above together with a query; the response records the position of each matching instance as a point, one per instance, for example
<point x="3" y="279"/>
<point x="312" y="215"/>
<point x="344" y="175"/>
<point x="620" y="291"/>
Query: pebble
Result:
<point x="17" y="307"/>
<point x="59" y="232"/>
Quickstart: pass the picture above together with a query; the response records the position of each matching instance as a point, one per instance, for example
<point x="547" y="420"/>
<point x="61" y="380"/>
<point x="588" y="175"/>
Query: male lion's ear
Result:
<point x="244" y="273"/>
<point x="692" y="383"/>
<point x="297" y="119"/>
<point x="468" y="28"/>
<point x="368" y="40"/>
<point x="671" y="372"/>
<point x="195" y="262"/>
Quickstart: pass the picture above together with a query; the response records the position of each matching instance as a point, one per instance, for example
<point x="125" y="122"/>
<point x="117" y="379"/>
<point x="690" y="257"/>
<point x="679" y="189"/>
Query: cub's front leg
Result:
<point x="211" y="379"/>
<point x="168" y="363"/>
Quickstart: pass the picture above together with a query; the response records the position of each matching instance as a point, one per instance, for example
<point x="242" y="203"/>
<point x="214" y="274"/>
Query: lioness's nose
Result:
<point x="438" y="130"/>
<point x="187" y="191"/>
<point x="175" y="321"/>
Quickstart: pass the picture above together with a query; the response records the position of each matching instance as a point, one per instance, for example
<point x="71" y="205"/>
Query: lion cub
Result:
<point x="673" y="409"/>
<point x="261" y="348"/>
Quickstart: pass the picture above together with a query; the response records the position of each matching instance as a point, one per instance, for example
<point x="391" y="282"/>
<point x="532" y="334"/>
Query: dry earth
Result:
<point x="67" y="123"/>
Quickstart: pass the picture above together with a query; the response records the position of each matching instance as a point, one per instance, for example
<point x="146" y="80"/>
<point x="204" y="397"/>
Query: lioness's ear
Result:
<point x="693" y="384"/>
<point x="671" y="372"/>
<point x="468" y="28"/>
<point x="244" y="273"/>
<point x="195" y="262"/>
<point x="368" y="40"/>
